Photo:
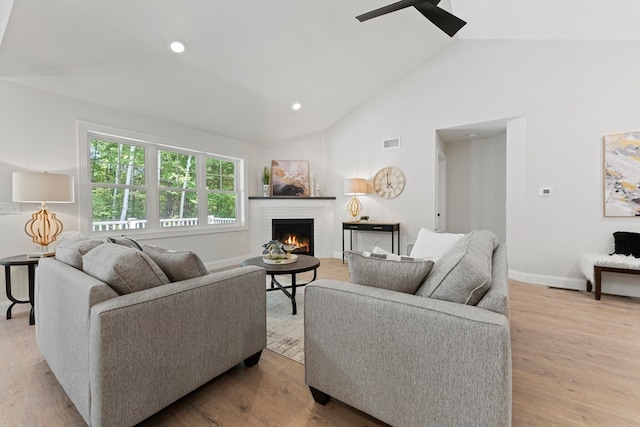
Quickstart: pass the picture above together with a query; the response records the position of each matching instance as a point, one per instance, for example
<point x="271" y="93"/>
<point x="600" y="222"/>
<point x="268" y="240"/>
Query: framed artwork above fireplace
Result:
<point x="290" y="178"/>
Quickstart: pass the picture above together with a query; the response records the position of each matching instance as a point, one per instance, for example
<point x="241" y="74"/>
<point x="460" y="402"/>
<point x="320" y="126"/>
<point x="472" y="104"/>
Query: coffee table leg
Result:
<point x="293" y="294"/>
<point x="32" y="283"/>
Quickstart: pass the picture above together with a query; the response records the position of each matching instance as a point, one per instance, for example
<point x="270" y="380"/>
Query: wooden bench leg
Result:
<point x="597" y="277"/>
<point x="597" y="272"/>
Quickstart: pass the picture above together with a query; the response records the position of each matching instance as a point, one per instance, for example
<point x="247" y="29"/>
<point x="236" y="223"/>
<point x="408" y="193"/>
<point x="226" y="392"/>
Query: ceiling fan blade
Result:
<point x="388" y="9"/>
<point x="442" y="19"/>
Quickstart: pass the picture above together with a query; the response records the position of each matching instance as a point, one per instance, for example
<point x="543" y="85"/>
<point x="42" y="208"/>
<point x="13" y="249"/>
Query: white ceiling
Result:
<point x="247" y="61"/>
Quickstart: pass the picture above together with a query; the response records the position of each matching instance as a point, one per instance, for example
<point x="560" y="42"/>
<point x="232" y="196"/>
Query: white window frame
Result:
<point x="152" y="145"/>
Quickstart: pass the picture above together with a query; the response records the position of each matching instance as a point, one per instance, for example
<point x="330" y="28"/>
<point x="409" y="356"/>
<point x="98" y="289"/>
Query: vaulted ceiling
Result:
<point x="247" y="61"/>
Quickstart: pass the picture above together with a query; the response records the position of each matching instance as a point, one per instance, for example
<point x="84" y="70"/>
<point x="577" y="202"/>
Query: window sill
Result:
<point x="169" y="232"/>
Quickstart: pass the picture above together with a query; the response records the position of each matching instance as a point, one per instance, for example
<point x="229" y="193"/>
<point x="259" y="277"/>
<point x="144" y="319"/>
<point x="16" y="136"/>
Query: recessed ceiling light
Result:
<point x="296" y="106"/>
<point x="176" y="47"/>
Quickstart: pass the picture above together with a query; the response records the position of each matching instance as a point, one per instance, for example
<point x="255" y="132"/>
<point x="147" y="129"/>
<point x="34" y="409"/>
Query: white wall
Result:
<point x="309" y="147"/>
<point x="566" y="95"/>
<point x="38" y="132"/>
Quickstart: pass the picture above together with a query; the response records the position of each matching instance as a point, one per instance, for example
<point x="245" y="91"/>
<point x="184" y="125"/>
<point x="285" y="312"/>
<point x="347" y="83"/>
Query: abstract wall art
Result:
<point x="290" y="178"/>
<point x="622" y="175"/>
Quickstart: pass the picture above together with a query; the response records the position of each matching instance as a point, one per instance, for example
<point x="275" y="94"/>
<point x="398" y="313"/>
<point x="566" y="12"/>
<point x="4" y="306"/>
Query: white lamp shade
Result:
<point x="355" y="187"/>
<point x="30" y="187"/>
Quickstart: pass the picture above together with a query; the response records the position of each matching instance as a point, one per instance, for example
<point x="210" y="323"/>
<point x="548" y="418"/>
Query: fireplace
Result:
<point x="294" y="231"/>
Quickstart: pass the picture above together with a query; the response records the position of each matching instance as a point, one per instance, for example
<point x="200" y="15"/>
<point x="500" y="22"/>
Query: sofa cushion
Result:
<point x="177" y="265"/>
<point x="432" y="245"/>
<point x="125" y="269"/>
<point x="71" y="251"/>
<point x="404" y="275"/>
<point x="125" y="241"/>
<point x="463" y="273"/>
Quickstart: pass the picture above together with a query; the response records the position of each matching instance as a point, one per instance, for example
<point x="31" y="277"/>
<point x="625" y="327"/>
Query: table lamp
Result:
<point x="355" y="187"/>
<point x="33" y="187"/>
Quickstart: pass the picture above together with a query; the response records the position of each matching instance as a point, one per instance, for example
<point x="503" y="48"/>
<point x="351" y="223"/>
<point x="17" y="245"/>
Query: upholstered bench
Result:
<point x="592" y="266"/>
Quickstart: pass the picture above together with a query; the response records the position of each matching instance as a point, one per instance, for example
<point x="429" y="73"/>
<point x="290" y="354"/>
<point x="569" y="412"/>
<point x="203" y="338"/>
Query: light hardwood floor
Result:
<point x="576" y="362"/>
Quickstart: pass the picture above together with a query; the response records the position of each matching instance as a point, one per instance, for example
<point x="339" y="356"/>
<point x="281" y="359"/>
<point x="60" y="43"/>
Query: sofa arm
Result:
<point x="152" y="347"/>
<point x="63" y="299"/>
<point x="406" y="359"/>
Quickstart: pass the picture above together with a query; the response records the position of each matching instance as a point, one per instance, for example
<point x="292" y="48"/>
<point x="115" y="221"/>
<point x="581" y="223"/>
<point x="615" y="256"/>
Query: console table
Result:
<point x="386" y="227"/>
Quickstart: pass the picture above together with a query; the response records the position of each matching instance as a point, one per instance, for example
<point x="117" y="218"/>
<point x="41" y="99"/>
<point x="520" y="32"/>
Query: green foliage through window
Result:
<point x="120" y="186"/>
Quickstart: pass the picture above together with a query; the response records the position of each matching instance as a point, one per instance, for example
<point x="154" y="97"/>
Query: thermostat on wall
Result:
<point x="545" y="191"/>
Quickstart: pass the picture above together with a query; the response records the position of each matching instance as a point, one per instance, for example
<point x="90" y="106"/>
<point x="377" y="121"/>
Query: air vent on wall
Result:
<point x="391" y="143"/>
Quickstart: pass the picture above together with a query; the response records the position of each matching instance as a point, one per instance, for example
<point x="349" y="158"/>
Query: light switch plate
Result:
<point x="9" y="208"/>
<point x="545" y="191"/>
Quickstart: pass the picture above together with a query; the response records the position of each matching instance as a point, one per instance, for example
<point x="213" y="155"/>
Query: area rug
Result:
<point x="285" y="332"/>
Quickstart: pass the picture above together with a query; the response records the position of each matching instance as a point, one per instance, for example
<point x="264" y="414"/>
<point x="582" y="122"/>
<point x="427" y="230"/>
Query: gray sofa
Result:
<point x="413" y="360"/>
<point x="122" y="358"/>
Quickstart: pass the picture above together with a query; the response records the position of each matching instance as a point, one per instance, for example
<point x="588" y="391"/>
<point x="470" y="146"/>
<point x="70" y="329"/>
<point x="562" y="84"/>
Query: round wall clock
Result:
<point x="388" y="182"/>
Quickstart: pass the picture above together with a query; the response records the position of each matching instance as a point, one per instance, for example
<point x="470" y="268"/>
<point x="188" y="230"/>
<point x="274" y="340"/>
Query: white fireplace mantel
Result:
<point x="264" y="209"/>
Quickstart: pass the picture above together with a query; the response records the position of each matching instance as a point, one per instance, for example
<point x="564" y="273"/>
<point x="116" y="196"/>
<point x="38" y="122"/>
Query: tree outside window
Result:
<point x="118" y="183"/>
<point x="125" y="196"/>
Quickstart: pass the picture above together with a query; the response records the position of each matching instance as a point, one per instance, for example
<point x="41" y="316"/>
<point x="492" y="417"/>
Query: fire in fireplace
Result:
<point x="297" y="232"/>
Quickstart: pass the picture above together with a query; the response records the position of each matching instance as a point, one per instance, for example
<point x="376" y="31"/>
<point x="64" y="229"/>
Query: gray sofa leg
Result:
<point x="252" y="360"/>
<point x="319" y="396"/>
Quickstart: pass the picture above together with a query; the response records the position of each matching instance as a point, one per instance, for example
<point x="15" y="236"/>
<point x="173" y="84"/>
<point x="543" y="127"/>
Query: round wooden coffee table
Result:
<point x="304" y="263"/>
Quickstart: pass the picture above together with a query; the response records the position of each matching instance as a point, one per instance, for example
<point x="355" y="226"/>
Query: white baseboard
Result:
<point x="227" y="262"/>
<point x="612" y="283"/>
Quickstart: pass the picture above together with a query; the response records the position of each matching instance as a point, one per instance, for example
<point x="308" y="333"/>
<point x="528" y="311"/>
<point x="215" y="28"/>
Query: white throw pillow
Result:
<point x="389" y="255"/>
<point x="432" y="245"/>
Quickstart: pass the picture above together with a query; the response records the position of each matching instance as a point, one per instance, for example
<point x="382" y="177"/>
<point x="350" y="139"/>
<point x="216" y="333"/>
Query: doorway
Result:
<point x="472" y="178"/>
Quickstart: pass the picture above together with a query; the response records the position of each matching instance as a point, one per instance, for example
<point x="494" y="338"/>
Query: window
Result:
<point x="178" y="195"/>
<point x="118" y="194"/>
<point x="221" y="188"/>
<point x="135" y="185"/>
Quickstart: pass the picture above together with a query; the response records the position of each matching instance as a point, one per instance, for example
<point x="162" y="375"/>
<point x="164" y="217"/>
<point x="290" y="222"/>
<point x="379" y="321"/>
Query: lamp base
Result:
<point x="354" y="207"/>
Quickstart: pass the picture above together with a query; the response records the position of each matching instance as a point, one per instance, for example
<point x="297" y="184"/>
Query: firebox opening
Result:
<point x="296" y="232"/>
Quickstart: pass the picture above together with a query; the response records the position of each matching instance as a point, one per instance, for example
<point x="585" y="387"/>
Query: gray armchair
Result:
<point x="122" y="358"/>
<point x="410" y="360"/>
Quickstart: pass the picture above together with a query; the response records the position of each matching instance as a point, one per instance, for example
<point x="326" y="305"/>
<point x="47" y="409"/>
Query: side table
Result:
<point x="31" y="264"/>
<point x="388" y="227"/>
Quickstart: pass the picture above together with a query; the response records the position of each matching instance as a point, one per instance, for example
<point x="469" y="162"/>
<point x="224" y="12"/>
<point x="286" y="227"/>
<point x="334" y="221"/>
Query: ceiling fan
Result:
<point x="442" y="19"/>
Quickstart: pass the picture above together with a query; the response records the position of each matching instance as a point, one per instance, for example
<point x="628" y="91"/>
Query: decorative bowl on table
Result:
<point x="293" y="258"/>
<point x="276" y="252"/>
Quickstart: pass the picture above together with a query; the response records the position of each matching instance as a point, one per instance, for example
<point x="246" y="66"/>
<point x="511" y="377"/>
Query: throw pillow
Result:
<point x="125" y="241"/>
<point x="71" y="251"/>
<point x="177" y="265"/>
<point x="627" y="243"/>
<point x="401" y="276"/>
<point x="384" y="254"/>
<point x="432" y="245"/>
<point x="463" y="274"/>
<point x="125" y="269"/>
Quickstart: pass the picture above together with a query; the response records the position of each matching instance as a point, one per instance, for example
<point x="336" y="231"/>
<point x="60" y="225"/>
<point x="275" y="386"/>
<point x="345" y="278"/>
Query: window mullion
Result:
<point x="151" y="177"/>
<point x="203" y="194"/>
